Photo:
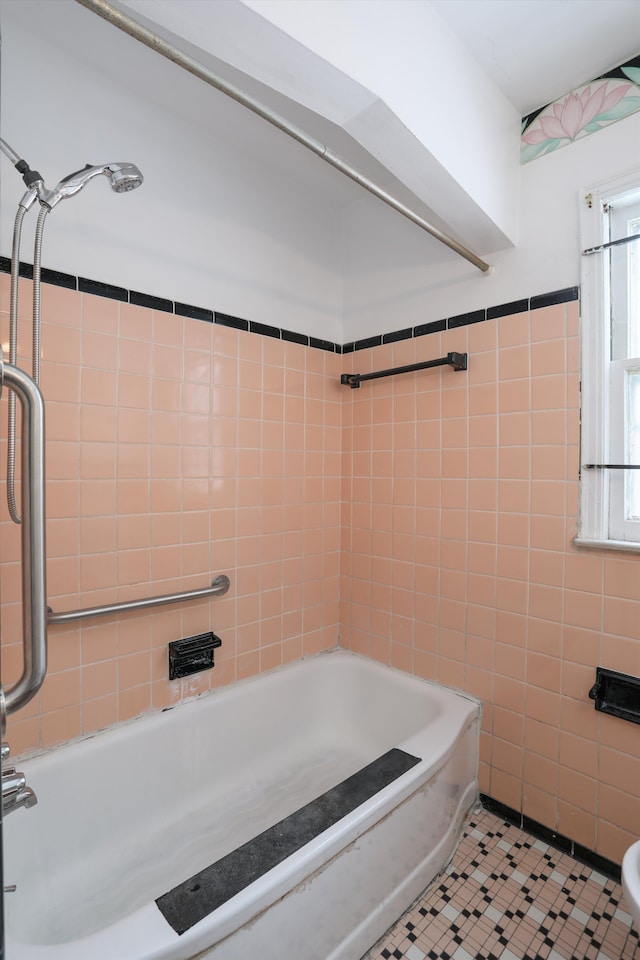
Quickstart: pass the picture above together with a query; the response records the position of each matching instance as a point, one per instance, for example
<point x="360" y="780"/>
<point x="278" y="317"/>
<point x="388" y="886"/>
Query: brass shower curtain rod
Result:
<point x="155" y="42"/>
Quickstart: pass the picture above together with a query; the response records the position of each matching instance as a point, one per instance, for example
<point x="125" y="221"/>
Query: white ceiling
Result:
<point x="537" y="50"/>
<point x="534" y="50"/>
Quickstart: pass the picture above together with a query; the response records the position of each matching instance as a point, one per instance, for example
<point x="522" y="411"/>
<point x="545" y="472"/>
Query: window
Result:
<point x="610" y="438"/>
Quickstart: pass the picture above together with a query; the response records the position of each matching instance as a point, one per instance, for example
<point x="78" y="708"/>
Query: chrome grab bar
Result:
<point x="218" y="587"/>
<point x="34" y="587"/>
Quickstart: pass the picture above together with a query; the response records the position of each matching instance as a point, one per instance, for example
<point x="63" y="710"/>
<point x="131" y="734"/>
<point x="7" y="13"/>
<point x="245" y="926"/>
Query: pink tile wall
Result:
<point x="176" y="450"/>
<point x="428" y="517"/>
<point x="459" y="506"/>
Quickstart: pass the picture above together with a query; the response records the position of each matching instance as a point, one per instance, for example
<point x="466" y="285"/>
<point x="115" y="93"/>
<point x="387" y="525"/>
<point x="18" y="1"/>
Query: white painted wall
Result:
<point x="396" y="277"/>
<point x="217" y="223"/>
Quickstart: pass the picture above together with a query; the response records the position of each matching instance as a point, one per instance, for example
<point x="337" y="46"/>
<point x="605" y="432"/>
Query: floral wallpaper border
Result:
<point x="585" y="110"/>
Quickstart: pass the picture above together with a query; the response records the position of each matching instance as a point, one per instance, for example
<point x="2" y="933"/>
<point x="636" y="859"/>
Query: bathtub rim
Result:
<point x="230" y="689"/>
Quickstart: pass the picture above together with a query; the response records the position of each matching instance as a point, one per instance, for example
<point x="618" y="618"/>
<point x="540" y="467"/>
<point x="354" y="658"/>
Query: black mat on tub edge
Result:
<point x="199" y="896"/>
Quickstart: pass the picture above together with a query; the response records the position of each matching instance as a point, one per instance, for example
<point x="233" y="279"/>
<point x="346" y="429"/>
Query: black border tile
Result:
<point x="97" y="289"/>
<point x="506" y="309"/>
<point x="556" y="296"/>
<point x="435" y="326"/>
<point x="193" y="313"/>
<point x="322" y="344"/>
<point x="396" y="335"/>
<point x="368" y="342"/>
<point x="153" y="303"/>
<point x="463" y="319"/>
<point x="294" y="337"/>
<point x="25" y="270"/>
<point x="58" y="279"/>
<point x="264" y="329"/>
<point x="225" y="320"/>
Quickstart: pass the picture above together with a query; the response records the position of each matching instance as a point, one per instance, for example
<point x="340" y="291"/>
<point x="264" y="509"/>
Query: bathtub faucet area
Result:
<point x="15" y="792"/>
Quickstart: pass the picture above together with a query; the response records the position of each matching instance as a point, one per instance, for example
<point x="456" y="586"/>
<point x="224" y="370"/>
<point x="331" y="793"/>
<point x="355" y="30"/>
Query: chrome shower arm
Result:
<point x="9" y="152"/>
<point x="30" y="177"/>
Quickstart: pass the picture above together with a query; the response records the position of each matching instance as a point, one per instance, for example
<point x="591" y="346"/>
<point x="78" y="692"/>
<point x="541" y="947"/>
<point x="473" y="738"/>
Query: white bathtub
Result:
<point x="125" y="816"/>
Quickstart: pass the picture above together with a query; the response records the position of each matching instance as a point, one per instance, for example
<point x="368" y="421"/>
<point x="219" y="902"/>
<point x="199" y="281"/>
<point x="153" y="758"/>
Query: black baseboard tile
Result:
<point x="565" y="844"/>
<point x="548" y="835"/>
<point x="607" y="867"/>
<point x="501" y="810"/>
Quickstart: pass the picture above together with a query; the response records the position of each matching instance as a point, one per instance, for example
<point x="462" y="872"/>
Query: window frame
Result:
<point x="601" y="491"/>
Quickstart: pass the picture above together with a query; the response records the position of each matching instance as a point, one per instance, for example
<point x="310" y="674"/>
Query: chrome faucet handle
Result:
<point x="15" y="792"/>
<point x="21" y="798"/>
<point x="13" y="783"/>
<point x="26" y="798"/>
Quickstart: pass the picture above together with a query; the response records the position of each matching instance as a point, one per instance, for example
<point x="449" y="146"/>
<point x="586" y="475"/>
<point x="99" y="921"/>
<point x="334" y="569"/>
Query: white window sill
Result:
<point x="629" y="546"/>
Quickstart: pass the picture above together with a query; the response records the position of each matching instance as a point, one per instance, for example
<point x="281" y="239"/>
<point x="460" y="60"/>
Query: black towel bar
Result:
<point x="456" y="360"/>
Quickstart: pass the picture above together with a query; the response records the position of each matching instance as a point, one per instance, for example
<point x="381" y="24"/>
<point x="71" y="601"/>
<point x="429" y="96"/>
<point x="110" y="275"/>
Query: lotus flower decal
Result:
<point x="581" y="112"/>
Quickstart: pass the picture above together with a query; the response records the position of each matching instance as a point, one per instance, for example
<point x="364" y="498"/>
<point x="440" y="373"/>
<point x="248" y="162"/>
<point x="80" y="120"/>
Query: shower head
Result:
<point x="123" y="177"/>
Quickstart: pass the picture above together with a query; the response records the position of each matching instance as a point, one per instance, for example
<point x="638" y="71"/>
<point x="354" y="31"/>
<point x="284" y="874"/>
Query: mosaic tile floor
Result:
<point x="507" y="896"/>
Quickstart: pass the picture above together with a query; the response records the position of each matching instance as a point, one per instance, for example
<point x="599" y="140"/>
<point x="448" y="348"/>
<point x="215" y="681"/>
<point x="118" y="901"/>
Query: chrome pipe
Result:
<point x="13" y="359"/>
<point x="9" y="152"/>
<point x="155" y="42"/>
<point x="34" y="590"/>
<point x="37" y="302"/>
<point x="25" y="204"/>
<point x="218" y="587"/>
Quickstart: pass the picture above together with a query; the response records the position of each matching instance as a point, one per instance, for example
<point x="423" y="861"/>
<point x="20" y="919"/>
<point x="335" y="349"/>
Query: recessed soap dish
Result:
<point x="617" y="694"/>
